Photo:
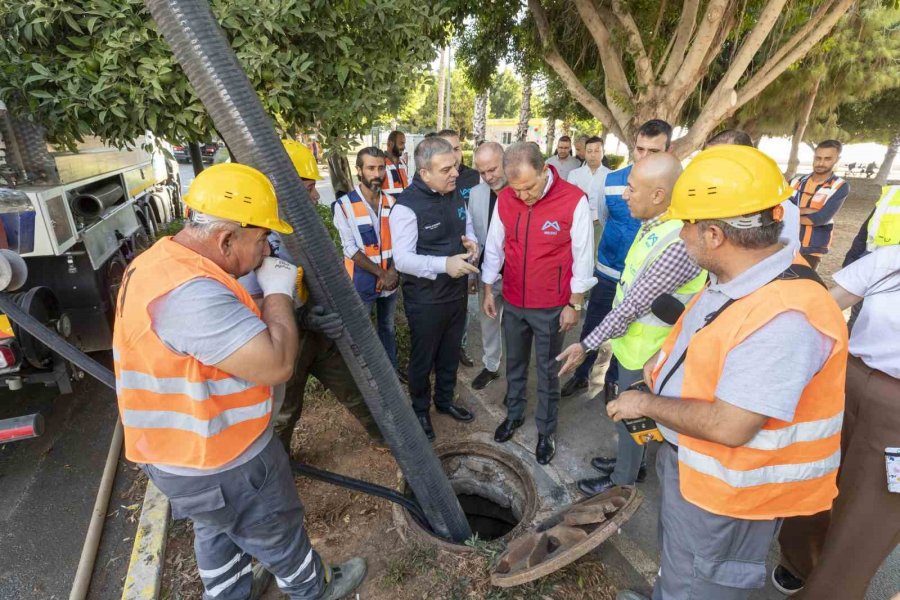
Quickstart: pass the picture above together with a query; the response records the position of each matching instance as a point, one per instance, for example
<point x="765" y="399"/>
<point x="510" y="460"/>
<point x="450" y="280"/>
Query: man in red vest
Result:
<point x="542" y="238"/>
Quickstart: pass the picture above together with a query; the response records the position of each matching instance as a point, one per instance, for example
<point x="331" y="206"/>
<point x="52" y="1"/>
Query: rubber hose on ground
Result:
<point x="202" y="50"/>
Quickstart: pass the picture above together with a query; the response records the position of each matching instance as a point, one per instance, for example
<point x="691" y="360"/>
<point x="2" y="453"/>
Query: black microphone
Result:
<point x="667" y="308"/>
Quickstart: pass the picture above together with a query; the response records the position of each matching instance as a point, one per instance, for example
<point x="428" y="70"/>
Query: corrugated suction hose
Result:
<point x="202" y="50"/>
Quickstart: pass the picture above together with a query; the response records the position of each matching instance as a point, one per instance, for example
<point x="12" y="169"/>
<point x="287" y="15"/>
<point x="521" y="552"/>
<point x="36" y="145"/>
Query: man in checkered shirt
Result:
<point x="657" y="264"/>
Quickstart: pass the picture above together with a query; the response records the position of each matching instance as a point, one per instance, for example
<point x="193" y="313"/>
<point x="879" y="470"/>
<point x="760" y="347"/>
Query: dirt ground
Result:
<point x="343" y="524"/>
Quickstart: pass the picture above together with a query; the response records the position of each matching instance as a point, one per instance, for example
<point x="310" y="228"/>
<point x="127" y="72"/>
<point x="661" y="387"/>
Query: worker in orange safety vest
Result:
<point x="748" y="388"/>
<point x="200" y="370"/>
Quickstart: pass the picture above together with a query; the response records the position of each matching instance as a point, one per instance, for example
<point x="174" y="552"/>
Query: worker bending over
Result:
<point x="656" y="264"/>
<point x="747" y="388"/>
<point x="200" y="370"/>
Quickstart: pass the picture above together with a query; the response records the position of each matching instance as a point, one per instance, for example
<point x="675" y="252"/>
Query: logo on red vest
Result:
<point x="550" y="227"/>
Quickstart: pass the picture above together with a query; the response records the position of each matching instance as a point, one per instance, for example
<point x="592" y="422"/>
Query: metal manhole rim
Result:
<point x="446" y="450"/>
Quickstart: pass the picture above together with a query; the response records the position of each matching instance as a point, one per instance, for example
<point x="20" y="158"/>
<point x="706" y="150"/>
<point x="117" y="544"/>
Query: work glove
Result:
<point x="316" y="319"/>
<point x="276" y="276"/>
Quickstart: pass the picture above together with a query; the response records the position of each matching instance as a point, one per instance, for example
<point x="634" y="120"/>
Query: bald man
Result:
<point x="656" y="264"/>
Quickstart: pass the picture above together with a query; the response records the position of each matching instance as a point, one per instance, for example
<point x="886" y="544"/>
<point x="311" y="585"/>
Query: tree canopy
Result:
<point x="99" y="67"/>
<point x="691" y="62"/>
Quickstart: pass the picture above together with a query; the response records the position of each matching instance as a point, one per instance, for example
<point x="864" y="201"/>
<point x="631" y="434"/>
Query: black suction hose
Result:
<point x="206" y="57"/>
<point x="55" y="342"/>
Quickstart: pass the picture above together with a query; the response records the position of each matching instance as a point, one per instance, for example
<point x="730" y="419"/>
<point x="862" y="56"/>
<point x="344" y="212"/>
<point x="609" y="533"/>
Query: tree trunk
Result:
<point x="800" y="130"/>
<point x="551" y="134"/>
<point x="479" y="123"/>
<point x="442" y="86"/>
<point x="196" y="157"/>
<point x="524" y="109"/>
<point x="888" y="161"/>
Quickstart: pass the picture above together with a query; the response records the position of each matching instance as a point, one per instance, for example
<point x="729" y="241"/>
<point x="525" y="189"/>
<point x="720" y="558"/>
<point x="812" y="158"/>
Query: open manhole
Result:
<point x="494" y="489"/>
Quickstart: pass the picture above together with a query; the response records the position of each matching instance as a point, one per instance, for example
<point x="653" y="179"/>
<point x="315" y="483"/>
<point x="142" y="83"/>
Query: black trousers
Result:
<point x="435" y="332"/>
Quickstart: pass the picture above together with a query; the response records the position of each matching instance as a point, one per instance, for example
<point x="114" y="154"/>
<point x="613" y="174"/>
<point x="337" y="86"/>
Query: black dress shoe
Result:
<point x="546" y="449"/>
<point x="606" y="466"/>
<point x="482" y="380"/>
<point x="573" y="386"/>
<point x="595" y="485"/>
<point x="457" y="412"/>
<point x="425" y="422"/>
<point x="506" y="429"/>
<point x="610" y="391"/>
<point x="464" y="359"/>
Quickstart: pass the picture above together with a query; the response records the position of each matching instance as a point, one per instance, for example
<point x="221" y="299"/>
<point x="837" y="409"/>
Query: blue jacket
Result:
<point x="619" y="229"/>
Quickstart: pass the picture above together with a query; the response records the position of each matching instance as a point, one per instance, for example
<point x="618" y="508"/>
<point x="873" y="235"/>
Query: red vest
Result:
<point x="538" y="245"/>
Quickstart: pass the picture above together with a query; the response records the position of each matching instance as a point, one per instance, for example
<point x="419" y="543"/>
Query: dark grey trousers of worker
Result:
<point x="249" y="511"/>
<point x="435" y="332"/>
<point x="629" y="453"/>
<point x="319" y="357"/>
<point x="703" y="555"/>
<point x="521" y="328"/>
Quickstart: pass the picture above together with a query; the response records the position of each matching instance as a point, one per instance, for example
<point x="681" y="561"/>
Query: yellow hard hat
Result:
<point x="303" y="159"/>
<point x="237" y="193"/>
<point x="727" y="181"/>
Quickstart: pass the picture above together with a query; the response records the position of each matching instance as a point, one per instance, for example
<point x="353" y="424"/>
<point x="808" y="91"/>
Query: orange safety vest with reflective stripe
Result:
<point x="396" y="179"/>
<point x="175" y="410"/>
<point x="788" y="468"/>
<point x="377" y="249"/>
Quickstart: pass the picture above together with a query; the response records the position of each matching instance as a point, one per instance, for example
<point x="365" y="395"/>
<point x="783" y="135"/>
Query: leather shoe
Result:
<point x="603" y="464"/>
<point x="573" y="386"/>
<point x="595" y="485"/>
<point x="506" y="429"/>
<point x="610" y="392"/>
<point x="457" y="412"/>
<point x="606" y="465"/>
<point x="464" y="359"/>
<point x="546" y="449"/>
<point x="425" y="422"/>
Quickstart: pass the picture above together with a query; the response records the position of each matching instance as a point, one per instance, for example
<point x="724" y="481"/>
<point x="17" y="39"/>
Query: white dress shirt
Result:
<point x="405" y="235"/>
<point x="582" y="234"/>
<point x="591" y="184"/>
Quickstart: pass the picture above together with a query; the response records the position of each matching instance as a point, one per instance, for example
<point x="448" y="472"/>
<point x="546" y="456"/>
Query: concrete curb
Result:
<point x="144" y="577"/>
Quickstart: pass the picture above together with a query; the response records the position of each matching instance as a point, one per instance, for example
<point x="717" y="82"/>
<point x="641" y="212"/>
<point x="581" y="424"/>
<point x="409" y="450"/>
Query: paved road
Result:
<point x="47" y="491"/>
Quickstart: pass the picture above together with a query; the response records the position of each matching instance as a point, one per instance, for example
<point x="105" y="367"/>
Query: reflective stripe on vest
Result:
<point x="788" y="468"/>
<point x="884" y="226"/>
<point x="175" y="410"/>
<point x="646" y="334"/>
<point x="396" y="179"/>
<point x="376" y="246"/>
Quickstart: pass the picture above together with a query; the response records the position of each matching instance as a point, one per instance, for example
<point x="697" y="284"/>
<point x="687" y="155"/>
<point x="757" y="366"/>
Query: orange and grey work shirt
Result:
<point x="825" y="199"/>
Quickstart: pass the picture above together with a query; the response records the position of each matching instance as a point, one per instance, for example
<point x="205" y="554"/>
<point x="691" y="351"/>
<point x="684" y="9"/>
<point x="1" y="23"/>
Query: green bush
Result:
<point x="615" y="161"/>
<point x="468" y="157"/>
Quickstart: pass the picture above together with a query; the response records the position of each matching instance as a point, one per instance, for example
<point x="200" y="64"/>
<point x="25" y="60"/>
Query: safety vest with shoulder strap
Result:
<point x="788" y="468"/>
<point x="884" y="226"/>
<point x="356" y="210"/>
<point x="176" y="410"/>
<point x="646" y="334"/>
<point x="396" y="179"/>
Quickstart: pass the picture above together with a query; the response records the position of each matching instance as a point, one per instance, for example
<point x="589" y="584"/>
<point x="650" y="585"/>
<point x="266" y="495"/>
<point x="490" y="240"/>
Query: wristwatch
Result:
<point x="576" y="307"/>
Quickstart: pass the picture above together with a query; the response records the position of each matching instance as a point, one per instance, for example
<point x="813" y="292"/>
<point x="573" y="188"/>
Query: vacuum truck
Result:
<point x="76" y="219"/>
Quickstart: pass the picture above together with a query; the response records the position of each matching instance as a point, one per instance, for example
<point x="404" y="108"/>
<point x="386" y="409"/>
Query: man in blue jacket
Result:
<point x="619" y="229"/>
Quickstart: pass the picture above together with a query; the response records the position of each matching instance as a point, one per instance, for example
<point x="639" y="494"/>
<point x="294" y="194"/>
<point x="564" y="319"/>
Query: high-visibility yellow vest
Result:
<point x="884" y="226"/>
<point x="646" y="334"/>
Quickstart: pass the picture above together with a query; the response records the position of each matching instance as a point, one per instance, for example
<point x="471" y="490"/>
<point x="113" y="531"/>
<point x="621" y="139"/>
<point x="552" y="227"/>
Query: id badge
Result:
<point x="892" y="464"/>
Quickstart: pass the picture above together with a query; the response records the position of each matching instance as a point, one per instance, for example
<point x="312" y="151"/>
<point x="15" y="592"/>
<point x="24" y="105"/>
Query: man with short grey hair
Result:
<point x="542" y="237"/>
<point x="434" y="247"/>
<point x="482" y="202"/>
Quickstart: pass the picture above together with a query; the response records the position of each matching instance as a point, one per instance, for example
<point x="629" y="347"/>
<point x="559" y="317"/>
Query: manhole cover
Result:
<point x="565" y="537"/>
